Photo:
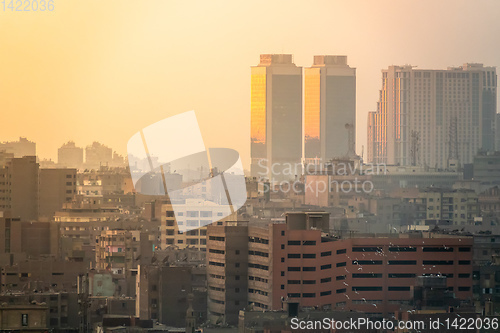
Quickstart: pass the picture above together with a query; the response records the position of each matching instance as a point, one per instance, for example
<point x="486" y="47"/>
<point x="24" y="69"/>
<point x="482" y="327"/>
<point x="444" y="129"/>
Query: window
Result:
<point x="282" y="259"/>
<point x="341" y="251"/>
<point x="308" y="269"/>
<point x="437" y="262"/>
<point x="193" y="223"/>
<point x="340" y="291"/>
<point x="294" y="269"/>
<point x="366" y="249"/>
<point x="340" y="264"/>
<point x="367" y="262"/>
<point x="293" y="281"/>
<point x="258" y="266"/>
<point x="366" y="288"/>
<point x="325" y="280"/>
<point x="325" y="293"/>
<point x="399" y="288"/>
<point x="401" y="275"/>
<point x="326" y="266"/>
<point x="326" y="254"/>
<point x="309" y="295"/>
<point x="437" y="249"/>
<point x="366" y="275"/>
<point x="294" y="256"/>
<point x="402" y="262"/>
<point x="309" y="282"/>
<point x="282" y="233"/>
<point x="24" y="319"/>
<point x="464" y="262"/>
<point x="309" y="256"/>
<point x="214" y="263"/>
<point x="282" y="246"/>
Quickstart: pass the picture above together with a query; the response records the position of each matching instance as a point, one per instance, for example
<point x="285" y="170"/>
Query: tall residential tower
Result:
<point x="436" y="118"/>
<point x="276" y="116"/>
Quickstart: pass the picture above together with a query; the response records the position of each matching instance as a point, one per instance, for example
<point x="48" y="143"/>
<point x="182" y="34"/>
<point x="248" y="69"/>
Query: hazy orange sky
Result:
<point x="103" y="69"/>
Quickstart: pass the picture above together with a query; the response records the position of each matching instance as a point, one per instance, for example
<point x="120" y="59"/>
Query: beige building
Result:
<point x="23" y="147"/>
<point x="195" y="217"/>
<point x="24" y="318"/>
<point x="97" y="155"/>
<point x="458" y="207"/>
<point x="116" y="250"/>
<point x="19" y="186"/>
<point x="433" y="117"/>
<point x="56" y="187"/>
<point x="42" y="274"/>
<point x="70" y="156"/>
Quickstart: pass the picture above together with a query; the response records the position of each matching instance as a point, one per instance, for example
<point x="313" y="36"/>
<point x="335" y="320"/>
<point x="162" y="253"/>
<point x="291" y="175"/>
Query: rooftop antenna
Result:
<point x="414" y="147"/>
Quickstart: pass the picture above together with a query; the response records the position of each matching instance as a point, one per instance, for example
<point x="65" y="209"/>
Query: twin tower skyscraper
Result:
<point x="300" y="116"/>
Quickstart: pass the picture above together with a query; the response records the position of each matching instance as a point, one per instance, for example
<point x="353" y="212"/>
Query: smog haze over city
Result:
<point x="249" y="166"/>
<point x="99" y="70"/>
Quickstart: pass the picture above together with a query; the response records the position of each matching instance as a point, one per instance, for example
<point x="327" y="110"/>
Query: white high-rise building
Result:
<point x="436" y="118"/>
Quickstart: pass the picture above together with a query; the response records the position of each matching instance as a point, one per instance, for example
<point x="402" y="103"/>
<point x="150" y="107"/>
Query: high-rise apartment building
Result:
<point x="70" y="156"/>
<point x="56" y="187"/>
<point x="433" y="117"/>
<point x="329" y="109"/>
<point x="19" y="186"/>
<point x="276" y="116"/>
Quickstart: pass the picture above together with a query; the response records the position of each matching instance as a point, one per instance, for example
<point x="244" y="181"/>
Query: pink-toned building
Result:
<point x="300" y="262"/>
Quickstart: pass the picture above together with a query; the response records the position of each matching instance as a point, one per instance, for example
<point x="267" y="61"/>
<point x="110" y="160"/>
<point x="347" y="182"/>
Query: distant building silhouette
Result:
<point x="70" y="156"/>
<point x="97" y="154"/>
<point x="20" y="148"/>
